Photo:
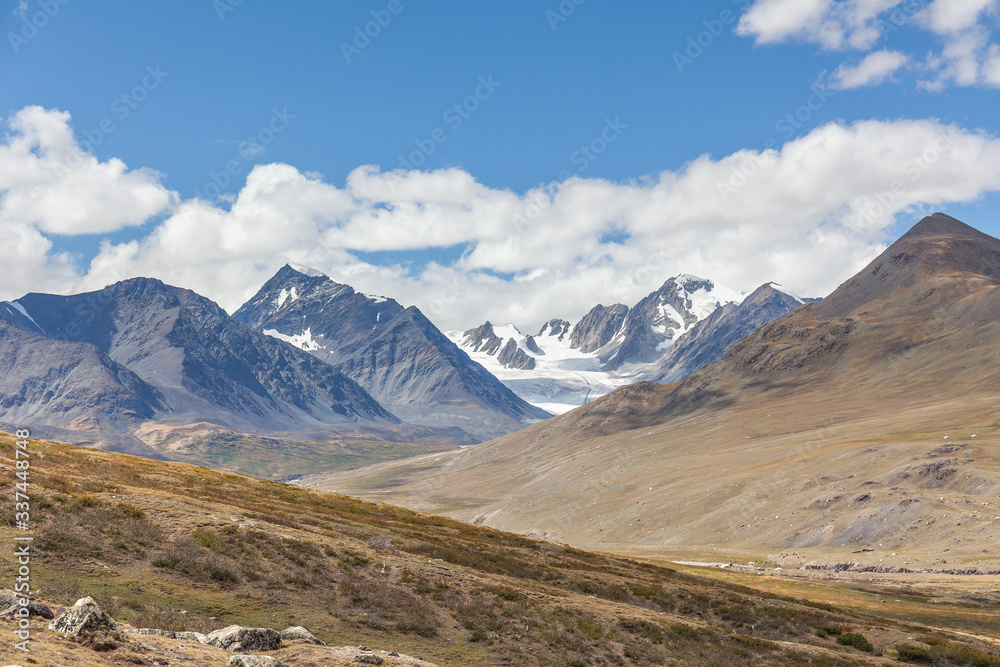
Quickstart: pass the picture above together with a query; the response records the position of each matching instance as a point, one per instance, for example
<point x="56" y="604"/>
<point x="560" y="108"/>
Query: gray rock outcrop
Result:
<point x="239" y="638"/>
<point x="298" y="633"/>
<point x="10" y="602"/>
<point x="254" y="661"/>
<point x="84" y="615"/>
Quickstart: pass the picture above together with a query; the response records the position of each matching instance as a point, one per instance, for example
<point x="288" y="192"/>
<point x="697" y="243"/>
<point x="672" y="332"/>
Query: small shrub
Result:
<point x="825" y="631"/>
<point x="912" y="653"/>
<point x="857" y="640"/>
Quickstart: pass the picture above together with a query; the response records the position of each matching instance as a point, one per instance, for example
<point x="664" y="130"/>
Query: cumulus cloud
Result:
<point x="49" y="185"/>
<point x="833" y="24"/>
<point x="873" y="70"/>
<point x="807" y="215"/>
<point x="947" y="17"/>
<point x="963" y="28"/>
<point x="48" y="181"/>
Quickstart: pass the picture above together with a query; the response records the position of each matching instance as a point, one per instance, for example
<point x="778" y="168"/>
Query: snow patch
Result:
<point x="21" y="310"/>
<point x="777" y="287"/>
<point x="374" y="298"/>
<point x="284" y="296"/>
<point x="306" y="271"/>
<point x="303" y="341"/>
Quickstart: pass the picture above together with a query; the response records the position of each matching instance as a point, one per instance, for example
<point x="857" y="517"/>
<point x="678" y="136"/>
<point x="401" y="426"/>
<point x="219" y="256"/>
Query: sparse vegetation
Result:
<point x="193" y="549"/>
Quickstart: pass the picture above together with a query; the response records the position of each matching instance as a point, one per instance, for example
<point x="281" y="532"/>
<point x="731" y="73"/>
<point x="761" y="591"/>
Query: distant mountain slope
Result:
<point x="203" y="365"/>
<point x="866" y="421"/>
<point x="712" y="337"/>
<point x="66" y="383"/>
<point x="395" y="353"/>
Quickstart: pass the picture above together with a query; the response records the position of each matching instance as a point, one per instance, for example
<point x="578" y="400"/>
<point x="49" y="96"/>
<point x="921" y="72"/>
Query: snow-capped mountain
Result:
<point x="657" y="321"/>
<point x="566" y="365"/>
<point x="395" y="353"/>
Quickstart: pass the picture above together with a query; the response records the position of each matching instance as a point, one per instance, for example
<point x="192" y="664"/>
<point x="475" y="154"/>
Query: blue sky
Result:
<point x="192" y="87"/>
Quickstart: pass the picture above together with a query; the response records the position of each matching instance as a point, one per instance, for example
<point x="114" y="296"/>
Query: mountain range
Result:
<point x="672" y="332"/>
<point x="862" y="427"/>
<point x="147" y="368"/>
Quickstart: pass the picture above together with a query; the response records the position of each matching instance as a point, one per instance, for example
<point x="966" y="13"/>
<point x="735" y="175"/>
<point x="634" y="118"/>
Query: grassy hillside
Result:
<point x="179" y="547"/>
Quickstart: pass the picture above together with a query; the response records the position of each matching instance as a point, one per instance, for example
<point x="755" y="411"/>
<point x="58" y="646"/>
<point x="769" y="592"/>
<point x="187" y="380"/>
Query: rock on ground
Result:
<point x="297" y="632"/>
<point x="153" y="631"/>
<point x="253" y="661"/>
<point x="10" y="602"/>
<point x="84" y="615"/>
<point x="239" y="638"/>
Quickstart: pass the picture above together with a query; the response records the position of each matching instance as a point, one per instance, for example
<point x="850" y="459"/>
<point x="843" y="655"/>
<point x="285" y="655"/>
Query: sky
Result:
<point x="515" y="160"/>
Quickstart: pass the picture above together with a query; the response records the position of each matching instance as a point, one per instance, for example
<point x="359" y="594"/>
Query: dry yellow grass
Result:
<point x="185" y="548"/>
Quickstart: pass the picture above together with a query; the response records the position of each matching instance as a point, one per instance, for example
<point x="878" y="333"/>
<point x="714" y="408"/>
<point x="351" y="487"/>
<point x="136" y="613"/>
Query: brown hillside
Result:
<point x="866" y="422"/>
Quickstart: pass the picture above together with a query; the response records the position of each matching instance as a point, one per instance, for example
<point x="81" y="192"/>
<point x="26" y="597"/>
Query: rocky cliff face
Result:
<point x="598" y="327"/>
<point x="511" y="356"/>
<point x="482" y="339"/>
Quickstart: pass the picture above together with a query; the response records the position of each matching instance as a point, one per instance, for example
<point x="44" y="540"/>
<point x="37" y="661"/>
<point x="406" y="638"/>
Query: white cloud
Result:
<point x="991" y="68"/>
<point x="833" y="24"/>
<point x="964" y="29"/>
<point x="808" y="216"/>
<point x="874" y="69"/>
<point x="49" y="186"/>
<point x="47" y="181"/>
<point x="946" y="17"/>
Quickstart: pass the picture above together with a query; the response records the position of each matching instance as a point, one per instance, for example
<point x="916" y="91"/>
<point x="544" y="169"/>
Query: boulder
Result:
<point x="84" y="615"/>
<point x="10" y="602"/>
<point x="253" y="661"/>
<point x="239" y="638"/>
<point x="298" y="633"/>
<point x="192" y="637"/>
<point x="170" y="634"/>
